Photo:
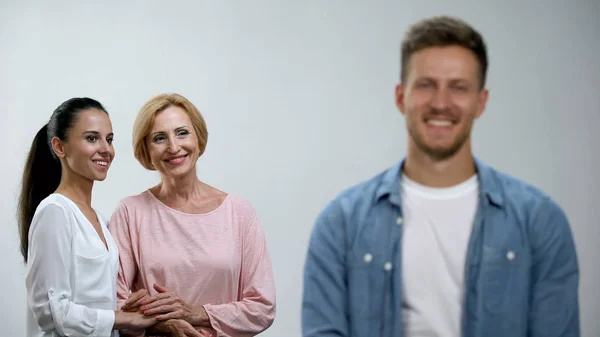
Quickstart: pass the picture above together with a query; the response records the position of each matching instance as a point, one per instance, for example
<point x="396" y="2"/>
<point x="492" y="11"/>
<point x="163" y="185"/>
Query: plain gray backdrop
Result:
<point x="299" y="101"/>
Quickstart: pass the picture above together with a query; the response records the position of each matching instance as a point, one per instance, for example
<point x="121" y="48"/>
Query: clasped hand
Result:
<point x="164" y="306"/>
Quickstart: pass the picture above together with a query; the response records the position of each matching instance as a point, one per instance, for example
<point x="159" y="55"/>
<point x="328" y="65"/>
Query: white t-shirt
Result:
<point x="436" y="231"/>
<point x="71" y="276"/>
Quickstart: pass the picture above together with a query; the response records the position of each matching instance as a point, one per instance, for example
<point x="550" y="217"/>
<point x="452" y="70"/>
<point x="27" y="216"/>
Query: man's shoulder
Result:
<point x="360" y="197"/>
<point x="514" y="187"/>
<point x="519" y="194"/>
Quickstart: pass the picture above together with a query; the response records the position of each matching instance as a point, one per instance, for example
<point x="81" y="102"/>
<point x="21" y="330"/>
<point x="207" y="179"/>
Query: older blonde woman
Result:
<point x="192" y="255"/>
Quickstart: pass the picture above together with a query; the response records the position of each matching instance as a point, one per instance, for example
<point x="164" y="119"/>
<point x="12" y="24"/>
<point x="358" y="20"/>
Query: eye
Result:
<point x="92" y="139"/>
<point x="424" y="85"/>
<point x="109" y="140"/>
<point x="182" y="133"/>
<point x="461" y="87"/>
<point x="158" y="138"/>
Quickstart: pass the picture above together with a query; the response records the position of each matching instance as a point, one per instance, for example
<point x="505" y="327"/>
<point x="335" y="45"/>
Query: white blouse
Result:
<point x="71" y="276"/>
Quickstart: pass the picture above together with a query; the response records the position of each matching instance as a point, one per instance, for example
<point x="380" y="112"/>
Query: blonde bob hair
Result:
<point x="145" y="120"/>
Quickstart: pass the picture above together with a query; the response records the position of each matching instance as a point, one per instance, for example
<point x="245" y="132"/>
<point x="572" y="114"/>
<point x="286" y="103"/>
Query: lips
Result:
<point x="176" y="160"/>
<point x="103" y="164"/>
<point x="438" y="122"/>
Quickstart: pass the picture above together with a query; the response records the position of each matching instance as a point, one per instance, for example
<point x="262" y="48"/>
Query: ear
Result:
<point x="400" y="97"/>
<point x="58" y="147"/>
<point x="482" y="102"/>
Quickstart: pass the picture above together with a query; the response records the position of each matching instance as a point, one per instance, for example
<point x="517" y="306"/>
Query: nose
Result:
<point x="173" y="147"/>
<point x="104" y="147"/>
<point x="441" y="99"/>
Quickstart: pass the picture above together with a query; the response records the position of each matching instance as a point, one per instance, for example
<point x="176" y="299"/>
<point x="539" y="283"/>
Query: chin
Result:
<point x="100" y="178"/>
<point x="177" y="172"/>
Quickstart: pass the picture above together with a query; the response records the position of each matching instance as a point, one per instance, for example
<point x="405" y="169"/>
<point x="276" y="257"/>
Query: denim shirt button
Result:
<point x="387" y="266"/>
<point x="399" y="220"/>
<point x="368" y="257"/>
<point x="510" y="255"/>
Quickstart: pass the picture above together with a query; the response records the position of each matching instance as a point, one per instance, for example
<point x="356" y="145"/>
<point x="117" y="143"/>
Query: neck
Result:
<point x="433" y="172"/>
<point x="179" y="188"/>
<point x="75" y="187"/>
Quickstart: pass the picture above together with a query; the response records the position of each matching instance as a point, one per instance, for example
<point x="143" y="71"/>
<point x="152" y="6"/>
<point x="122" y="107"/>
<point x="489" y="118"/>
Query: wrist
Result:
<point x="123" y="320"/>
<point x="200" y="317"/>
<point x="162" y="327"/>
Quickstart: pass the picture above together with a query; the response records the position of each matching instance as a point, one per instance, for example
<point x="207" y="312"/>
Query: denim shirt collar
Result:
<point x="489" y="189"/>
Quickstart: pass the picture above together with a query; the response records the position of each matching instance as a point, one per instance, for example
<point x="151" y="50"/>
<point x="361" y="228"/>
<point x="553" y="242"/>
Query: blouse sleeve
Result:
<point x="120" y="229"/>
<point x="255" y="311"/>
<point x="48" y="279"/>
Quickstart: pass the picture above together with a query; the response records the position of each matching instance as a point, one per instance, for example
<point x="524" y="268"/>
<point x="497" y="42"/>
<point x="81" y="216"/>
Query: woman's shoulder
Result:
<point x="52" y="210"/>
<point x="238" y="202"/>
<point x="141" y="199"/>
<point x="240" y="206"/>
<point x="55" y="201"/>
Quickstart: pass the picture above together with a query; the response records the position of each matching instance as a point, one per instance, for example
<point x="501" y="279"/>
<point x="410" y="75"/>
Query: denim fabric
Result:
<point x="521" y="272"/>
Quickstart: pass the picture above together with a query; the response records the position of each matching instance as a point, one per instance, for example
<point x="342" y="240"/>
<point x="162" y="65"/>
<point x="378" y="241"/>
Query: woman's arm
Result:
<point x="255" y="312"/>
<point x="48" y="279"/>
<point x="251" y="315"/>
<point x="119" y="227"/>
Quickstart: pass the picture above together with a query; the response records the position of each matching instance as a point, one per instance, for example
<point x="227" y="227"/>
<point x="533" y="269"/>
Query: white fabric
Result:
<point x="70" y="276"/>
<point x="436" y="230"/>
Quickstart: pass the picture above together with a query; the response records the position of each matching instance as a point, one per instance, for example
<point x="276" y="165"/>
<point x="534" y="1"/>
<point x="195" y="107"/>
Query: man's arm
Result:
<point x="324" y="301"/>
<point x="554" y="305"/>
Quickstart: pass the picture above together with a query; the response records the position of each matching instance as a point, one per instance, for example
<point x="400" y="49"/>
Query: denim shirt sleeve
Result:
<point x="554" y="306"/>
<point x="324" y="302"/>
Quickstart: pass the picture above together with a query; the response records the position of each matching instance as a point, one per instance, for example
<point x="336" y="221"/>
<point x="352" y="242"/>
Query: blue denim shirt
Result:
<point x="521" y="272"/>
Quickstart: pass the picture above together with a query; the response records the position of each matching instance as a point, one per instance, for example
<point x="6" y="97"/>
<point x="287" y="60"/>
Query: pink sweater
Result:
<point x="218" y="259"/>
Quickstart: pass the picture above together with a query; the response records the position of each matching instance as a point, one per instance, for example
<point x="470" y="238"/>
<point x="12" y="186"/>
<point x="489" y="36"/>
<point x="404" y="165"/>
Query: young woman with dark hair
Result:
<point x="72" y="260"/>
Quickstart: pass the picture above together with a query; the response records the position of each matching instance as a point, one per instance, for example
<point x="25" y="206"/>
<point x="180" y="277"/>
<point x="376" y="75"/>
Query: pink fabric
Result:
<point x="218" y="259"/>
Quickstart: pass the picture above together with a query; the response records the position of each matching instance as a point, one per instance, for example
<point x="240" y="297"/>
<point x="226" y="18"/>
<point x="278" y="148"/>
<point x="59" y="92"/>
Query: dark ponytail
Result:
<point x="42" y="172"/>
<point x="40" y="179"/>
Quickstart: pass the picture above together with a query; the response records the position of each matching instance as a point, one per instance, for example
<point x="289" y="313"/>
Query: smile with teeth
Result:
<point x="177" y="160"/>
<point x="101" y="163"/>
<point x="437" y="122"/>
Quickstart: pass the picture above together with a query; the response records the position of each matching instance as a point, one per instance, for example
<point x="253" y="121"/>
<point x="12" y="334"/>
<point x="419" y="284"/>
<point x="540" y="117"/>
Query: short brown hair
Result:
<point x="442" y="31"/>
<point x="145" y="120"/>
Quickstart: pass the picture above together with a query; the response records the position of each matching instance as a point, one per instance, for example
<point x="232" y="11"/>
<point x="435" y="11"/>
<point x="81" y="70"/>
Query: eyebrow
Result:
<point x="179" y="128"/>
<point x="451" y="80"/>
<point x="96" y="133"/>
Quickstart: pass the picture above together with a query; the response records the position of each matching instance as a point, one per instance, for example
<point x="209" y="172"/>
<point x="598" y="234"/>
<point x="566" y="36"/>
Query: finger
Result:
<point x="132" y="306"/>
<point x="161" y="310"/>
<point x="157" y="297"/>
<point x="193" y="333"/>
<point x="138" y="302"/>
<point x="169" y="315"/>
<point x="165" y="309"/>
<point x="129" y="306"/>
<point x="158" y="303"/>
<point x="160" y="288"/>
<point x="136" y="295"/>
<point x="124" y="309"/>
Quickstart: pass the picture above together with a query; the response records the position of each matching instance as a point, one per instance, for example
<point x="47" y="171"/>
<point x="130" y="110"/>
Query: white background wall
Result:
<point x="298" y="97"/>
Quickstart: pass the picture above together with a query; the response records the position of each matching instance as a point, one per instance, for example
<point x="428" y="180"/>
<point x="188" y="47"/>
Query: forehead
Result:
<point x="171" y="117"/>
<point x="93" y="120"/>
<point x="445" y="63"/>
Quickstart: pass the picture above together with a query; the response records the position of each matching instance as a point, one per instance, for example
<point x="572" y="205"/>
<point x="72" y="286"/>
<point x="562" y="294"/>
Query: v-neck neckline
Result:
<point x="106" y="246"/>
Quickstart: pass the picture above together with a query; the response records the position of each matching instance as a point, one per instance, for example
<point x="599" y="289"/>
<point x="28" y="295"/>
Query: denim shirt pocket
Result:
<point x="504" y="276"/>
<point x="366" y="283"/>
